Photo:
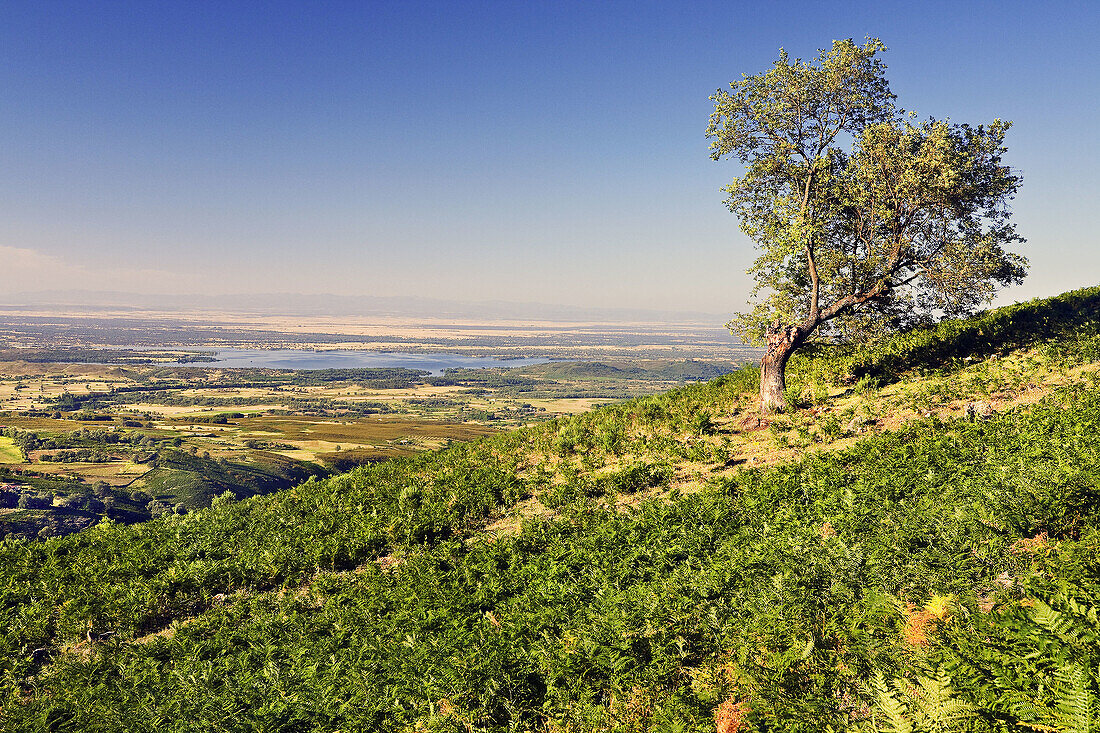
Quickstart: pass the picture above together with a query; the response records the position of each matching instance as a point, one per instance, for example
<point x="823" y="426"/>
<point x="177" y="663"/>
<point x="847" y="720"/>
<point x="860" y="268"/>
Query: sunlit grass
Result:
<point x="9" y="451"/>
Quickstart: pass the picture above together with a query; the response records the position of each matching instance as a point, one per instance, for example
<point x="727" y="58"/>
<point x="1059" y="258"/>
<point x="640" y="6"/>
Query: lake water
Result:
<point x="355" y="359"/>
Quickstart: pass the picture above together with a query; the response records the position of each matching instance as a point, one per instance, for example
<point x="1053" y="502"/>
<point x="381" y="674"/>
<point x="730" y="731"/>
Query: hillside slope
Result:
<point x="645" y="567"/>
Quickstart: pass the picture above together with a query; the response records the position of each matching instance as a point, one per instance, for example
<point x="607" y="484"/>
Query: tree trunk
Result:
<point x="782" y="341"/>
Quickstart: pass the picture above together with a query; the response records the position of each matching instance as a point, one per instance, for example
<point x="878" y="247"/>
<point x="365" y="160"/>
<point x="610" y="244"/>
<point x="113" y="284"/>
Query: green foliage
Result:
<point x="1065" y="328"/>
<point x="866" y="222"/>
<point x="549" y="625"/>
<point x="788" y="595"/>
<point x="1034" y="662"/>
<point x="929" y="706"/>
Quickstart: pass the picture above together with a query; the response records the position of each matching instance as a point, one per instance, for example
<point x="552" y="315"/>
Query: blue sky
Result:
<point x="550" y="152"/>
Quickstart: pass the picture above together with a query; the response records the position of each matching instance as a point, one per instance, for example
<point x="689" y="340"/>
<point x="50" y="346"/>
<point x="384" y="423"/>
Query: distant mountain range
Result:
<point x="293" y="304"/>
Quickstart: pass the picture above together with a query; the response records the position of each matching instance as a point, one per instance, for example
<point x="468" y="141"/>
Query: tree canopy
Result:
<point x="866" y="219"/>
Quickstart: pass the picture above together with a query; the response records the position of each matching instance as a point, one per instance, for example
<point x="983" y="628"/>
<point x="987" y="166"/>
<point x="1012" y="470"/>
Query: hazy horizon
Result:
<point x="289" y="304"/>
<point x="476" y="153"/>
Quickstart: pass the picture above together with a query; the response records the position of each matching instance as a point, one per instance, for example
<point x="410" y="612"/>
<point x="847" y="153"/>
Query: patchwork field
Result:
<point x="144" y="439"/>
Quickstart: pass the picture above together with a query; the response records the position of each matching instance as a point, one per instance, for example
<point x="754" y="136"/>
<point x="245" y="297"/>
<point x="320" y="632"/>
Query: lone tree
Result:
<point x="866" y="220"/>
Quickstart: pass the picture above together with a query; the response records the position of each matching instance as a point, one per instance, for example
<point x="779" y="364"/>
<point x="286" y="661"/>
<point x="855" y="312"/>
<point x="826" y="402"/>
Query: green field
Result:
<point x="9" y="451"/>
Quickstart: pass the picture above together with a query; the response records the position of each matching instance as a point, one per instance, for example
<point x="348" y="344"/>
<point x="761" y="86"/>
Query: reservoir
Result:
<point x="355" y="359"/>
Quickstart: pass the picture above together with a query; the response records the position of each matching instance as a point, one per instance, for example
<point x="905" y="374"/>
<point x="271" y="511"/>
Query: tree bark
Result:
<point x="782" y="341"/>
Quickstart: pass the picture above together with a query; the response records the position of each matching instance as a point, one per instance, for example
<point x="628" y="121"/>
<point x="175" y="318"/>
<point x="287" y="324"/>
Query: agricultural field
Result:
<point x="88" y="441"/>
<point x="913" y="547"/>
<point x="9" y="451"/>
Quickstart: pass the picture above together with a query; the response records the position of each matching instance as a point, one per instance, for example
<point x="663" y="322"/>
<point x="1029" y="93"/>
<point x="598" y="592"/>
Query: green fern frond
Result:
<point x="1071" y="624"/>
<point x="891" y="708"/>
<point x="1073" y="709"/>
<point x="930" y="706"/>
<point x="1024" y="709"/>
<point x="939" y="709"/>
<point x="1051" y="620"/>
<point x="1074" y="702"/>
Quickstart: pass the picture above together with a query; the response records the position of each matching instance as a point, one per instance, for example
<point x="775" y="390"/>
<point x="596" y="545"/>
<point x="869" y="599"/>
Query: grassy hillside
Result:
<point x="876" y="560"/>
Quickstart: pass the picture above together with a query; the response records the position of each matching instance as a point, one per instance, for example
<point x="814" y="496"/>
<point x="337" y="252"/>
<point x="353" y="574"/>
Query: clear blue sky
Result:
<point x="526" y="151"/>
